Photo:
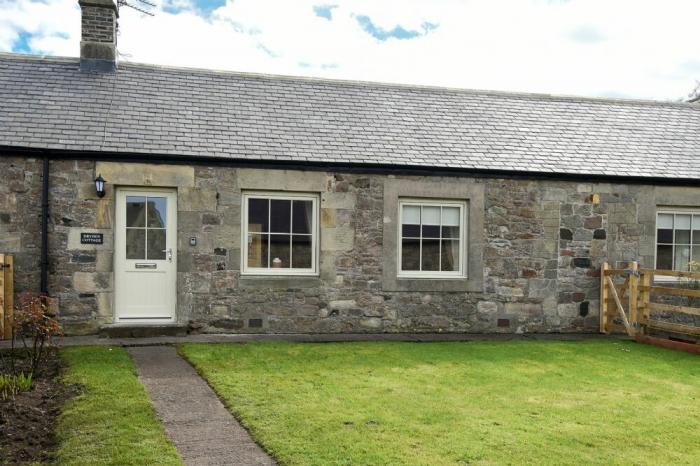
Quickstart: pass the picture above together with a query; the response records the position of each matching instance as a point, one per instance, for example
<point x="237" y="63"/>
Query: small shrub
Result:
<point x="11" y="385"/>
<point x="36" y="328"/>
<point x="691" y="283"/>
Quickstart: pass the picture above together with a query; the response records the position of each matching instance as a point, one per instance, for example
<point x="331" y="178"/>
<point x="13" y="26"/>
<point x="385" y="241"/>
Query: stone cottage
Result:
<point x="237" y="202"/>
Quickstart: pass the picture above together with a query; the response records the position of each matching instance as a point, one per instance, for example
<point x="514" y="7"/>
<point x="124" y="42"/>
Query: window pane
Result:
<point x="450" y="232"/>
<point x="664" y="221"/>
<point x="258" y="215"/>
<point x="280" y="211"/>
<point x="257" y="250"/>
<point x="271" y="223"/>
<point x="157" y="212"/>
<point x="681" y="258"/>
<point x="410" y="231"/>
<point x="410" y="254"/>
<point x="301" y="251"/>
<point x="135" y="211"/>
<point x="135" y="243"/>
<point x="431" y="254"/>
<point x="664" y="236"/>
<point x="411" y="215"/>
<point x="450" y="255"/>
<point x="682" y="222"/>
<point x="156" y="244"/>
<point x="664" y="257"/>
<point x="279" y="249"/>
<point x="664" y="228"/>
<point x="682" y="229"/>
<point x="302" y="216"/>
<point x="696" y="229"/>
<point x="682" y="237"/>
<point x="450" y="216"/>
<point x="431" y="231"/>
<point x="430" y="215"/>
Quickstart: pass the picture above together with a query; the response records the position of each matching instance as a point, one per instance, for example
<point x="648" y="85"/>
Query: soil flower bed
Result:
<point x="28" y="419"/>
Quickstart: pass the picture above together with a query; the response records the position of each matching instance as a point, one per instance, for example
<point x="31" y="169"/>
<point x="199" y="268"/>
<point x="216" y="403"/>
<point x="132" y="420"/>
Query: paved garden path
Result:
<point x="199" y="425"/>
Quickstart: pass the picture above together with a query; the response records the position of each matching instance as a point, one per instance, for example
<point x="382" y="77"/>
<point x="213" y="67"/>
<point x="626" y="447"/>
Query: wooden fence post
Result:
<point x="633" y="290"/>
<point x="603" y="299"/>
<point x="644" y="295"/>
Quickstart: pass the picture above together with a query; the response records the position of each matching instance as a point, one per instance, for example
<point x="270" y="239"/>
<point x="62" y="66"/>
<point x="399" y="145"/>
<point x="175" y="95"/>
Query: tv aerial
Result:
<point x="138" y="5"/>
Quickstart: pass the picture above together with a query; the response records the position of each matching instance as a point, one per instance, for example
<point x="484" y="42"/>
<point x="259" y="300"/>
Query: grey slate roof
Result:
<point x="49" y="103"/>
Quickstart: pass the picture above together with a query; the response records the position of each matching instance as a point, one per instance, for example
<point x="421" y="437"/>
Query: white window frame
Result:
<point x="315" y="234"/>
<point x="461" y="273"/>
<point x="674" y="212"/>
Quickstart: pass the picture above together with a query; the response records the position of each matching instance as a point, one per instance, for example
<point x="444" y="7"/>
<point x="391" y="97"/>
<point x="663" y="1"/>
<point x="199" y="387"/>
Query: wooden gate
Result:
<point x="6" y="296"/>
<point x="627" y="306"/>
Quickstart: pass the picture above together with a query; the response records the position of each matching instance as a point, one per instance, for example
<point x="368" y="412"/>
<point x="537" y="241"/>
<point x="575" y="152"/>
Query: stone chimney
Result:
<point x="98" y="42"/>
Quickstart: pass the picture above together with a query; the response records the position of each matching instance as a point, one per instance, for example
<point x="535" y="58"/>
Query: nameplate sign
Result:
<point x="91" y="238"/>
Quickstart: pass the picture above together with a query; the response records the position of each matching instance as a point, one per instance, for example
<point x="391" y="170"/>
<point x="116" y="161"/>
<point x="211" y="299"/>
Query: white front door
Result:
<point x="145" y="256"/>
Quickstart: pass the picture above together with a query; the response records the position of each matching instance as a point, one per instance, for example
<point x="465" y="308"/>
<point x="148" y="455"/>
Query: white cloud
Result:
<point x="646" y="49"/>
<point x="54" y="25"/>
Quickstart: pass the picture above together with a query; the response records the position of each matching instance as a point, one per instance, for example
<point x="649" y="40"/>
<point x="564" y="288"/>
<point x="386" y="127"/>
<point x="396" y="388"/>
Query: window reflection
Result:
<point x="146" y="223"/>
<point x="678" y="241"/>
<point x="280" y="233"/>
<point x="430" y="237"/>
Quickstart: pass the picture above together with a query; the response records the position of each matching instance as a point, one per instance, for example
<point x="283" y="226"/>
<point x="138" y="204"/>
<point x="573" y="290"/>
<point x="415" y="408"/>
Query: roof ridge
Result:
<point x="375" y="84"/>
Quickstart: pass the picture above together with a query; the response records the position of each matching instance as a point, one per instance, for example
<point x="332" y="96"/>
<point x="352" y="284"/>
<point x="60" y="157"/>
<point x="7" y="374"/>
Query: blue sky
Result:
<point x="203" y="7"/>
<point x="21" y="42"/>
<point x="609" y="48"/>
<point x="397" y="32"/>
<point x="324" y="10"/>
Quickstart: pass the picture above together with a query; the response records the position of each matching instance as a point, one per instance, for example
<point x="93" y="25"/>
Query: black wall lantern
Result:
<point x="100" y="186"/>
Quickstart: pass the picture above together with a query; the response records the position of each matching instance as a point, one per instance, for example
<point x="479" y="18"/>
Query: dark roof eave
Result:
<point x="354" y="167"/>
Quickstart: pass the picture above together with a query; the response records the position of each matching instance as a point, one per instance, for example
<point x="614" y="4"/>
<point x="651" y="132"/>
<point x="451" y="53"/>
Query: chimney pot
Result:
<point x="98" y="42"/>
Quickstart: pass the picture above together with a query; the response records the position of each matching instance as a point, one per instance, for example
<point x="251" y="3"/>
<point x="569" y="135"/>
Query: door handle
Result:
<point x="169" y="254"/>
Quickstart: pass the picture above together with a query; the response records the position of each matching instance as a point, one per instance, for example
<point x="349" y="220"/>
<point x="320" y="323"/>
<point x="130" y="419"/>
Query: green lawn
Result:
<point x="591" y="402"/>
<point x="112" y="422"/>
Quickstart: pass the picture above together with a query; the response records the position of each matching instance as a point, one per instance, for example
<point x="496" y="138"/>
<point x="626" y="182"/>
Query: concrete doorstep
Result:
<point x="199" y="425"/>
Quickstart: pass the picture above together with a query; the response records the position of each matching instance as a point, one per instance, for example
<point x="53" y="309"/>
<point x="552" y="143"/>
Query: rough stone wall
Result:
<point x="522" y="223"/>
<point x="20" y="218"/>
<point x="80" y="275"/>
<point x="543" y="245"/>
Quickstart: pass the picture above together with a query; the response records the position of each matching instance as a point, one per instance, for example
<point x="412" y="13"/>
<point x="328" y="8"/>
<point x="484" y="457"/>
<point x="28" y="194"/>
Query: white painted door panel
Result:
<point x="145" y="256"/>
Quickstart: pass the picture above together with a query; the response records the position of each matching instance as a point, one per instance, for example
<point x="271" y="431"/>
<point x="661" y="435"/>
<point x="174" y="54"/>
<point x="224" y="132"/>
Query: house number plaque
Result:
<point x="91" y="238"/>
